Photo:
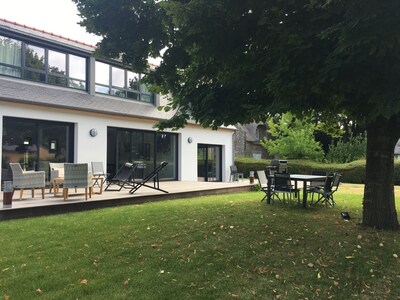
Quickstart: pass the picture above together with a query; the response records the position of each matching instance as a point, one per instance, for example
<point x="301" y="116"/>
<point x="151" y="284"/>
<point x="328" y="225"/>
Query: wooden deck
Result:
<point x="35" y="207"/>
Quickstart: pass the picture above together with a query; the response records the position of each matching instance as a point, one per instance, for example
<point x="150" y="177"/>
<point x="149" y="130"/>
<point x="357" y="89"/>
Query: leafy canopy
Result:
<point x="237" y="61"/>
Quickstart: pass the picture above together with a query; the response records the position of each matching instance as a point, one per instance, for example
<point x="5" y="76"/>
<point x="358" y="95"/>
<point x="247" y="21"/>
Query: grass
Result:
<point x="215" y="247"/>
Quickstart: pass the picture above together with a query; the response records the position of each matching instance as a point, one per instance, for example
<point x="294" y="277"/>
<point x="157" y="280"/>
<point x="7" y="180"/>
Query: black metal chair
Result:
<point x="235" y="175"/>
<point x="316" y="184"/>
<point x="330" y="187"/>
<point x="154" y="175"/>
<point x="283" y="185"/>
<point x="123" y="178"/>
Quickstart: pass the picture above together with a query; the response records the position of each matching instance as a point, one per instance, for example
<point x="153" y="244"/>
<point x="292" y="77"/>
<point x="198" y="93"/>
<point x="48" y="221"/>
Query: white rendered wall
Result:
<point x="89" y="148"/>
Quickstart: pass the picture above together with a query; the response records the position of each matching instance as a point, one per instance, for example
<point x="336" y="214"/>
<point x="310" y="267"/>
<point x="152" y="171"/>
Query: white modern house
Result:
<point x="59" y="103"/>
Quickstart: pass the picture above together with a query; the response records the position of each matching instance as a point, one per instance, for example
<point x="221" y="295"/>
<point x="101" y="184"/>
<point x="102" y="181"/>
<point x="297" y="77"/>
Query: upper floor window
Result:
<point x="122" y="83"/>
<point x="32" y="62"/>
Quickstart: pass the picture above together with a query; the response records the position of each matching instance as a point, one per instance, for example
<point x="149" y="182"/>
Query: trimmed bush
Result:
<point x="353" y="172"/>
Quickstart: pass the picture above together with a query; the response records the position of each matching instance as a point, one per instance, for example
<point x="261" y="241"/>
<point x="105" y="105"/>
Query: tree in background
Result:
<point x="293" y="138"/>
<point x="344" y="152"/>
<point x="228" y="62"/>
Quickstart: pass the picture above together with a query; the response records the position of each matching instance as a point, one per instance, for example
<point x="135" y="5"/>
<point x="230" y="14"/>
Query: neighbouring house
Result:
<point x="247" y="140"/>
<point x="60" y="103"/>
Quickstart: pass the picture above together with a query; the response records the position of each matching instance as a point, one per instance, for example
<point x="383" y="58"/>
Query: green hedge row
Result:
<point x="353" y="172"/>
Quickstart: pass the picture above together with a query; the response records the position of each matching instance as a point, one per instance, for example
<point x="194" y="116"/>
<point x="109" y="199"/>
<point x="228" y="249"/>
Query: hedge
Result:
<point x="353" y="172"/>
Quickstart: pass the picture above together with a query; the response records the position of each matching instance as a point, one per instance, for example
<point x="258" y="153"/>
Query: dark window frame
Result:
<point x="125" y="91"/>
<point x="46" y="72"/>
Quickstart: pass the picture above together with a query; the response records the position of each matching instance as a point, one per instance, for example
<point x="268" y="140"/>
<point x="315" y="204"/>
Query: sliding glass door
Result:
<point x="149" y="147"/>
<point x="209" y="163"/>
<point x="35" y="143"/>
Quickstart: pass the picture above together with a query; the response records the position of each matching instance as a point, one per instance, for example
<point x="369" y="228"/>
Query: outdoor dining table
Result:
<point x="296" y="178"/>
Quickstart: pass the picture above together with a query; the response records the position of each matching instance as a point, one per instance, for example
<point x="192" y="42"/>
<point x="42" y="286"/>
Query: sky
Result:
<point x="56" y="16"/>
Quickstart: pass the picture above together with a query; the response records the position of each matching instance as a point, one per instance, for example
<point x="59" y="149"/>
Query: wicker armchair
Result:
<point x="77" y="176"/>
<point x="27" y="180"/>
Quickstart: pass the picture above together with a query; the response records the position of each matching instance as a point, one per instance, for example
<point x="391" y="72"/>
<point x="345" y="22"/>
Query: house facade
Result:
<point x="247" y="140"/>
<point x="60" y="103"/>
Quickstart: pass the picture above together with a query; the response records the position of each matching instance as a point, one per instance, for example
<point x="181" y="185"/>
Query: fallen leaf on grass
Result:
<point x="335" y="283"/>
<point x="262" y="270"/>
<point x="6" y="297"/>
<point x="350" y="257"/>
<point x="39" y="291"/>
<point x="83" y="281"/>
<point x="126" y="282"/>
<point x="395" y="255"/>
<point x="310" y="265"/>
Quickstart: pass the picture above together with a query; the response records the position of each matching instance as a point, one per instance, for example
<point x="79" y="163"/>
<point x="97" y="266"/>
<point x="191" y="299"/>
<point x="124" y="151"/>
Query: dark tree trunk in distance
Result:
<point x="379" y="209"/>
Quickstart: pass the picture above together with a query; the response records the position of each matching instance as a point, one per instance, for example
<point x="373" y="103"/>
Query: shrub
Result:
<point x="343" y="152"/>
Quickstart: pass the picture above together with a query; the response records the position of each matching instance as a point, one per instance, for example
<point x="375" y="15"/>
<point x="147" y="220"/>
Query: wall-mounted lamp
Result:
<point x="93" y="132"/>
<point x="27" y="141"/>
<point x="190" y="140"/>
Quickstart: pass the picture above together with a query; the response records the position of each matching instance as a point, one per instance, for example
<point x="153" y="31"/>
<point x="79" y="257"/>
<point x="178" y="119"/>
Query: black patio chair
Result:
<point x="154" y="175"/>
<point x="123" y="178"/>
<point x="235" y="174"/>
<point x="330" y="187"/>
<point x="283" y="185"/>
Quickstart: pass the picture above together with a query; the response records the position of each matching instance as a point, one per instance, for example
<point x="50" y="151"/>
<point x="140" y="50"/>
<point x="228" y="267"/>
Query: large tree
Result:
<point x="227" y="61"/>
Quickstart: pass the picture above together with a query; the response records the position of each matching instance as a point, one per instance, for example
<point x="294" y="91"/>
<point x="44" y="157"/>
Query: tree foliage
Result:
<point x="227" y="62"/>
<point x="343" y="151"/>
<point x="293" y="138"/>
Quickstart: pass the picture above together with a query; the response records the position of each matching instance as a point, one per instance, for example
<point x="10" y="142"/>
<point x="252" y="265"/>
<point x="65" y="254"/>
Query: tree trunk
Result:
<point x="379" y="209"/>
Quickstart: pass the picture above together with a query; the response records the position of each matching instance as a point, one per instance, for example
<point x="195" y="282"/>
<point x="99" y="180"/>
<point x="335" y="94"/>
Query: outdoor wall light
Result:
<point x="190" y="140"/>
<point x="27" y="141"/>
<point x="93" y="132"/>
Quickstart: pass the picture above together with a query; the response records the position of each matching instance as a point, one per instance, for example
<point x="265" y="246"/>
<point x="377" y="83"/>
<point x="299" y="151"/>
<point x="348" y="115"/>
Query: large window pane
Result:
<point x="57" y="62"/>
<point x="118" y="77"/>
<point x="102" y="73"/>
<point x="10" y="51"/>
<point x="35" y="57"/>
<point x="77" y="67"/>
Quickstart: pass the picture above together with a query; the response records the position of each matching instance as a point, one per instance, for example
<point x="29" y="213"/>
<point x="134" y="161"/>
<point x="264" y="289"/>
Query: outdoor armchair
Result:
<point x="77" y="176"/>
<point x="27" y="180"/>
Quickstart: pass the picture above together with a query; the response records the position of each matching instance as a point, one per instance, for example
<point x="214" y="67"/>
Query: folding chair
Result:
<point x="99" y="174"/>
<point x="283" y="185"/>
<point x="123" y="177"/>
<point x="263" y="182"/>
<point x="153" y="175"/>
<point x="330" y="187"/>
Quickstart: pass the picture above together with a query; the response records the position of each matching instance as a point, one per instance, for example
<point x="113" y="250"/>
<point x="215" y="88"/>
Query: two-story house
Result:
<point x="60" y="103"/>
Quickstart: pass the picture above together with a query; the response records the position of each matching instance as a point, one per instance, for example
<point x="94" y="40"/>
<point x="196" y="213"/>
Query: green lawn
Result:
<point x="215" y="247"/>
